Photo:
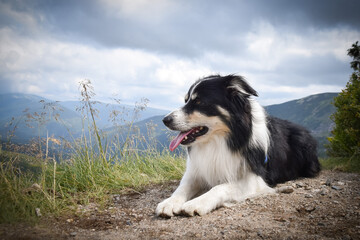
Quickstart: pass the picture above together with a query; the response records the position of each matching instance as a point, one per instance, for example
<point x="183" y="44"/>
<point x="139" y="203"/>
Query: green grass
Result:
<point x="341" y="164"/>
<point x="95" y="170"/>
<point x="58" y="188"/>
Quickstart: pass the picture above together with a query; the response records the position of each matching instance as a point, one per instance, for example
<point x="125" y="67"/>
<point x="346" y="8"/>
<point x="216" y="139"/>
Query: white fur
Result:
<point x="192" y="91"/>
<point x="224" y="112"/>
<point x="180" y="120"/>
<point x="212" y="166"/>
<point x="260" y="133"/>
<point x="212" y="163"/>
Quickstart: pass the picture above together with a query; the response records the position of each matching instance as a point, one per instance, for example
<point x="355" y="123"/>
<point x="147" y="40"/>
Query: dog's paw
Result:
<point x="169" y="207"/>
<point x="196" y="207"/>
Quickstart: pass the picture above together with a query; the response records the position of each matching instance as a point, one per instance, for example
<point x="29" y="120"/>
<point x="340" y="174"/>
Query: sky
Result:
<point x="133" y="49"/>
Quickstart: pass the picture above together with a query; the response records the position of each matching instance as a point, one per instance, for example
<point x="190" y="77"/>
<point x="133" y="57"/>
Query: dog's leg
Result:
<point x="251" y="186"/>
<point x="187" y="189"/>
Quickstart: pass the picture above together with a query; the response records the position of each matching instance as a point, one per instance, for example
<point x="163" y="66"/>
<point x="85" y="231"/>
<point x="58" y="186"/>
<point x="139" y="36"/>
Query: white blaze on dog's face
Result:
<point x="203" y="115"/>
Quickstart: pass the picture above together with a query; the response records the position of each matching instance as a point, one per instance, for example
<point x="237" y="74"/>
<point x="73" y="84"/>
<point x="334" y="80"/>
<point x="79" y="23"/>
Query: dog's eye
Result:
<point x="197" y="101"/>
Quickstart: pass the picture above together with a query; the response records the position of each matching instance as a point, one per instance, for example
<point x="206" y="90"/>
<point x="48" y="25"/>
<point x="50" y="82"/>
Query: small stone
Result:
<point x="306" y="209"/>
<point x="73" y="234"/>
<point x="328" y="182"/>
<point x="340" y="183"/>
<point x="70" y="220"/>
<point x="116" y="197"/>
<point x="308" y="196"/>
<point x="323" y="192"/>
<point x="285" y="189"/>
<point x="336" y="187"/>
<point x="310" y="208"/>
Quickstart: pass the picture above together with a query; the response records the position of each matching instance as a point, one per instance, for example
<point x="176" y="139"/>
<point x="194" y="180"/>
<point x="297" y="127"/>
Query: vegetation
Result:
<point x="95" y="169"/>
<point x="345" y="140"/>
<point x="343" y="164"/>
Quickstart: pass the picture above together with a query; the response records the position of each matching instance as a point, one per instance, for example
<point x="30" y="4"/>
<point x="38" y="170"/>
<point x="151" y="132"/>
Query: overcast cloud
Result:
<point x="156" y="49"/>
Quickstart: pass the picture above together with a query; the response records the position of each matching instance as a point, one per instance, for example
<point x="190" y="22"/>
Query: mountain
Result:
<point x="108" y="113"/>
<point x="28" y="116"/>
<point x="312" y="112"/>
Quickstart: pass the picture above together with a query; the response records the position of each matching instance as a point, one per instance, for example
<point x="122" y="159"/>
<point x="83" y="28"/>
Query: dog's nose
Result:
<point x="168" y="120"/>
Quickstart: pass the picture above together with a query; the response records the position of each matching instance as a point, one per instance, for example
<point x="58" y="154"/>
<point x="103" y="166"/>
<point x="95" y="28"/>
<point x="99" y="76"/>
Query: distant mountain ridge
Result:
<point x="23" y="112"/>
<point x="312" y="112"/>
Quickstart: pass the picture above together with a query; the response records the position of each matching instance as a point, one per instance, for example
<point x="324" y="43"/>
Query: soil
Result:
<point x="325" y="207"/>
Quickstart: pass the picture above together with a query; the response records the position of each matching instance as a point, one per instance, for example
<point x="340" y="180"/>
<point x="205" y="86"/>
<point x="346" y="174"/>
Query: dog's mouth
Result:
<point x="188" y="137"/>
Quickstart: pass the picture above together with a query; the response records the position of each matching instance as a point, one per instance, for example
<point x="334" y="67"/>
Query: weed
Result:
<point x="43" y="185"/>
<point x="341" y="164"/>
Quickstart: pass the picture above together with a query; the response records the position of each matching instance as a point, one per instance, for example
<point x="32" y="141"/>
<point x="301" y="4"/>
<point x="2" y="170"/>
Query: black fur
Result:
<point x="292" y="150"/>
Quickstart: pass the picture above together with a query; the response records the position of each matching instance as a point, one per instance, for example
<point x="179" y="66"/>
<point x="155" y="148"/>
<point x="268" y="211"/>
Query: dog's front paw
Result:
<point x="169" y="207"/>
<point x="196" y="207"/>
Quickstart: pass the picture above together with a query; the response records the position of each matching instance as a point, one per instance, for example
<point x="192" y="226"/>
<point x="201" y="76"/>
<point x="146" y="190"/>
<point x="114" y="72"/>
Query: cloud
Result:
<point x="136" y="49"/>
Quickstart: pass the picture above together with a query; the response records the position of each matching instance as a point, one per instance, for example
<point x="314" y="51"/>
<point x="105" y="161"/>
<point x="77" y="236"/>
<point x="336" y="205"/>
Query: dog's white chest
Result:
<point x="214" y="163"/>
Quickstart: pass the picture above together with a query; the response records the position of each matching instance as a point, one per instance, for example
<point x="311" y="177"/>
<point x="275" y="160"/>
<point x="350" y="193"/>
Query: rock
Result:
<point x="328" y="182"/>
<point x="310" y="208"/>
<point x="336" y="187"/>
<point x="306" y="209"/>
<point x="285" y="189"/>
<point x="340" y="183"/>
<point x="259" y="233"/>
<point x="73" y="234"/>
<point x="308" y="195"/>
<point x="116" y="198"/>
<point x="324" y="192"/>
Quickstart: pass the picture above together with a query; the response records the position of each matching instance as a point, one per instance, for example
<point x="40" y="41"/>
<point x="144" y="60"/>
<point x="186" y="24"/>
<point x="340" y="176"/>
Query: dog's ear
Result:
<point x="237" y="84"/>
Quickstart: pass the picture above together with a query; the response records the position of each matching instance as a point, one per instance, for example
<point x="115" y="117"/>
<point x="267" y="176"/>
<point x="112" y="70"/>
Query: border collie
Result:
<point x="235" y="151"/>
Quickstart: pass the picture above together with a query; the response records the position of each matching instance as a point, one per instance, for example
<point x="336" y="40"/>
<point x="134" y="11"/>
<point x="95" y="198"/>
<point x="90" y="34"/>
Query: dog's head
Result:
<point x="213" y="106"/>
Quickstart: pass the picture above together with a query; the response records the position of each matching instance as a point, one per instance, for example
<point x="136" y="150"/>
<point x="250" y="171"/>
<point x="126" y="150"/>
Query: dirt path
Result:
<point x="326" y="207"/>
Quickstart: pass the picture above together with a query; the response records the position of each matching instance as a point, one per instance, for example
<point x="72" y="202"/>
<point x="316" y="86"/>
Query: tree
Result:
<point x="345" y="140"/>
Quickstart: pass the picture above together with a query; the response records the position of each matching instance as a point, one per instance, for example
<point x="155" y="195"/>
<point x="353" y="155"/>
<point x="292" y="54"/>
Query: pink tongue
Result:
<point x="177" y="140"/>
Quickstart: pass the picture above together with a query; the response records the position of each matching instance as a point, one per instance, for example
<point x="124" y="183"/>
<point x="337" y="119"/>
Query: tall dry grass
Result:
<point x="34" y="187"/>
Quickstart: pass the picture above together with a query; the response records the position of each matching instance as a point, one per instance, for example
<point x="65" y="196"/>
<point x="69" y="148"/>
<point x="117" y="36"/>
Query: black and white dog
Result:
<point x="235" y="150"/>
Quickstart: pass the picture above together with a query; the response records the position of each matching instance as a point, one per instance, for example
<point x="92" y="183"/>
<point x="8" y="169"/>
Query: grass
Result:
<point x="58" y="188"/>
<point x="341" y="164"/>
<point x="95" y="170"/>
